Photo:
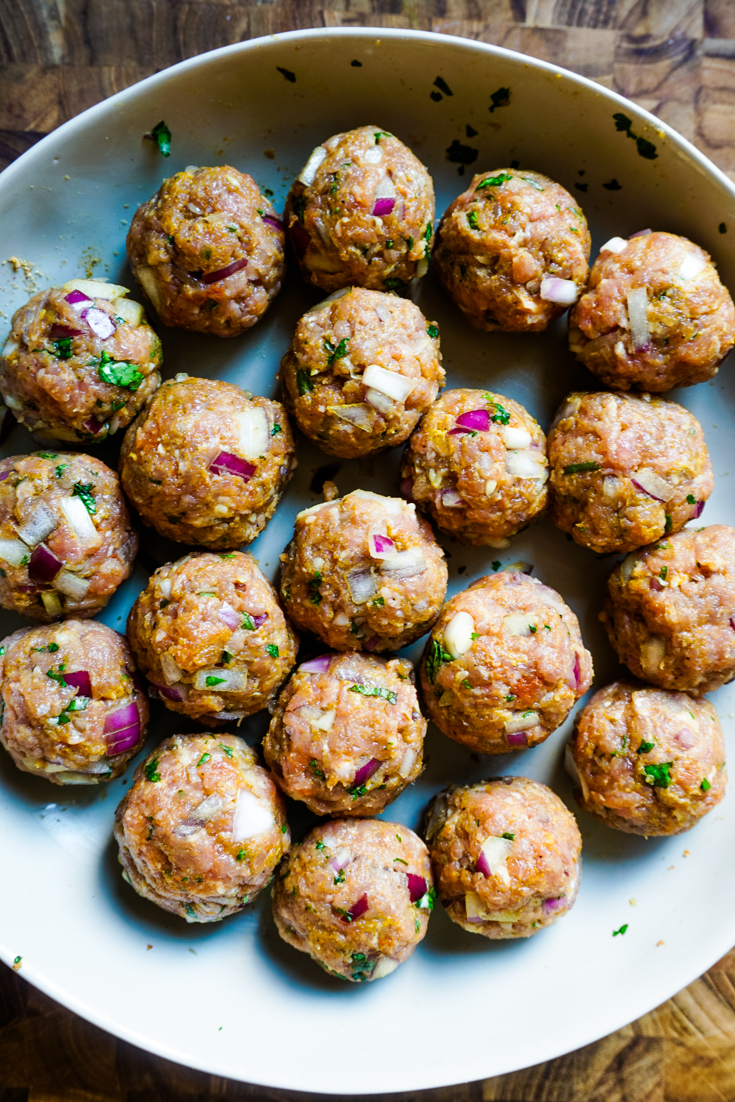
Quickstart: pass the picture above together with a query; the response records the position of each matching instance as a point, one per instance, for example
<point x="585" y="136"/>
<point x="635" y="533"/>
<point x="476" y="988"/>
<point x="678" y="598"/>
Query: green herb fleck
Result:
<point x="381" y="134"/>
<point x="532" y="629"/>
<point x="316" y="769"/>
<point x="466" y="683"/>
<point x="336" y="352"/>
<point x="494" y="181"/>
<point x="151" y="771"/>
<point x="705" y="785"/>
<point x="401" y="860"/>
<point x="118" y="373"/>
<point x="314" y="595"/>
<point x="472" y="220"/>
<point x="299" y="206"/>
<point x="211" y="681"/>
<point x="496" y="564"/>
<point x="340" y="877"/>
<point x="303" y="382"/>
<point x="320" y="845"/>
<point x="60" y="469"/>
<point x="691" y="499"/>
<point x="226" y="749"/>
<point x="501" y="98"/>
<point x="433" y="331"/>
<point x="668" y="524"/>
<point x="393" y="284"/>
<point x="375" y="690"/>
<point x="379" y="602"/>
<point x="645" y="747"/>
<point x="203" y="759"/>
<point x="276" y="429"/>
<point x="508" y="836"/>
<point x="427" y="900"/>
<point x="663" y="572"/>
<point x="272" y="650"/>
<point x="428" y="231"/>
<point x="659" y="774"/>
<point x="161" y="135"/>
<point x="241" y="855"/>
<point x="58" y="675"/>
<point x="63" y="348"/>
<point x="622" y="930"/>
<point x="435" y="659"/>
<point x="247" y="623"/>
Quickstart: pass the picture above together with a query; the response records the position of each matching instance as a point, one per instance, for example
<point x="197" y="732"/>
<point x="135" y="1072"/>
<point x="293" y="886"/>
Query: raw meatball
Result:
<point x="209" y="634"/>
<point x="506" y="855"/>
<point x="477" y="465"/>
<point x="647" y="761"/>
<point x="208" y="251"/>
<point x="361" y="369"/>
<point x="361" y="212"/>
<point x="347" y="735"/>
<point x="202" y="827"/>
<point x="355" y="895"/>
<point x="66" y="542"/>
<point x="504" y="664"/>
<point x="512" y="251"/>
<point x="207" y="462"/>
<point x="670" y="610"/>
<point x="363" y="572"/>
<point x="80" y="361"/>
<point x="655" y="315"/>
<point x="625" y="469"/>
<point x="73" y="707"/>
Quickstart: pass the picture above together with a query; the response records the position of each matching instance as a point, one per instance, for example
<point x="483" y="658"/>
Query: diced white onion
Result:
<point x="51" y="602"/>
<point x="385" y="189"/>
<point x="358" y="415"/>
<point x="614" y="245"/>
<point x="130" y="311"/>
<point x="395" y="386"/>
<point x="496" y="851"/>
<point x="170" y="668"/>
<point x="308" y="172"/>
<point x="362" y="586"/>
<point x="379" y="401"/>
<point x="562" y="291"/>
<point x="79" y="519"/>
<point x="638" y="317"/>
<point x="409" y="760"/>
<point x="9" y="347"/>
<point x="525" y="464"/>
<point x="330" y="298"/>
<point x="165" y="586"/>
<point x="652" y="484"/>
<point x="252" y="816"/>
<point x="147" y="280"/>
<point x="390" y="504"/>
<point x="521" y="721"/>
<point x="12" y="552"/>
<point x="95" y="288"/>
<point x="384" y="967"/>
<point x="517" y="623"/>
<point x="422" y="267"/>
<point x="41" y="524"/>
<point x="373" y="155"/>
<point x="254" y="432"/>
<point x="404" y="564"/>
<point x="312" y="509"/>
<point x="653" y="652"/>
<point x="691" y="266"/>
<point x="514" y="438"/>
<point x="475" y="907"/>
<point x="325" y="721"/>
<point x="571" y="768"/>
<point x="627" y="566"/>
<point x="71" y="585"/>
<point x="228" y="681"/>
<point x="458" y="634"/>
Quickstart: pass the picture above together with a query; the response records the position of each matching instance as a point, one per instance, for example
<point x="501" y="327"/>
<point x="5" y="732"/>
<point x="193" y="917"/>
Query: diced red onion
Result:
<point x="697" y="510"/>
<point x="650" y="483"/>
<point x="451" y="499"/>
<point x="227" y="463"/>
<point x="357" y="909"/>
<point x="260" y="619"/>
<point x="77" y="296"/>
<point x="28" y="589"/>
<point x="44" y="566"/>
<point x="273" y="221"/>
<point x="371" y="644"/>
<point x="519" y="738"/>
<point x="407" y="488"/>
<point x="382" y="207"/>
<point x="300" y="238"/>
<point x="686" y="738"/>
<point x="7" y="423"/>
<point x="561" y="291"/>
<point x="656" y="584"/>
<point x="575" y="675"/>
<point x="99" y="322"/>
<point x="381" y="547"/>
<point x="482" y="864"/>
<point x="138" y="682"/>
<point x="223" y="273"/>
<point x="229" y="617"/>
<point x="417" y="886"/>
<point x="640" y="331"/>
<point x="4" y="475"/>
<point x="94" y="426"/>
<point x="474" y="420"/>
<point x="365" y="772"/>
<point x="228" y="716"/>
<point x="60" y="332"/>
<point x="121" y="718"/>
<point x="639" y="233"/>
<point x="518" y="568"/>
<point x="124" y="739"/>
<point x="732" y="622"/>
<point x="172" y="692"/>
<point x="79" y="680"/>
<point x="552" y="904"/>
<point x="317" y="665"/>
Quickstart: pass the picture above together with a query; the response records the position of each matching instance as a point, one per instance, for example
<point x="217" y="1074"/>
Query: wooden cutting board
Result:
<point x="673" y="57"/>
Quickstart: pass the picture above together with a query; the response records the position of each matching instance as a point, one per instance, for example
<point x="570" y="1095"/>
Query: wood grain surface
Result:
<point x="674" y="57"/>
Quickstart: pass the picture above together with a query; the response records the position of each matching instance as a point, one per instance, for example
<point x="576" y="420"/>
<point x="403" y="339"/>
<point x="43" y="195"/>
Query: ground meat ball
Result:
<point x="347" y="735"/>
<point x="506" y="855"/>
<point x="363" y="572"/>
<point x="80" y="361"/>
<point x="202" y="828"/>
<point x="208" y="251"/>
<point x="209" y="634"/>
<point x="655" y="315"/>
<point x="207" y="463"/>
<point x="73" y="710"/>
<point x="647" y="761"/>
<point x="477" y="465"/>
<point x="670" y="610"/>
<point x="512" y="251"/>
<point x="361" y="369"/>
<point x="356" y="895"/>
<point x="65" y="538"/>
<point x="625" y="469"/>
<point x="504" y="664"/>
<point x="361" y="212"/>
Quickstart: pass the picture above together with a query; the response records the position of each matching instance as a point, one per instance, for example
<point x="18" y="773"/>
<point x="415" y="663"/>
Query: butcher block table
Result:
<point x="674" y="57"/>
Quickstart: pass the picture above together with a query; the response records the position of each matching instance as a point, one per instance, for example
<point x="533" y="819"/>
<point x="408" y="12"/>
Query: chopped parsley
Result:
<point x="84" y="491"/>
<point x="118" y="373"/>
<point x="340" y="877"/>
<point x="336" y="352"/>
<point x="466" y="683"/>
<point x="161" y="135"/>
<point x="428" y="231"/>
<point x="276" y="428"/>
<point x="62" y="348"/>
<point x="316" y="769"/>
<point x="381" y="134"/>
<point x="48" y="455"/>
<point x="272" y="650"/>
<point x="211" y="681"/>
<point x="663" y="572"/>
<point x="51" y="648"/>
<point x="433" y="331"/>
<point x="577" y="468"/>
<point x="658" y="775"/>
<point x="645" y="747"/>
<point x="668" y="525"/>
<point x="225" y="657"/>
<point x="204" y="759"/>
<point x="508" y="836"/>
<point x="705" y="785"/>
<point x="226" y="749"/>
<point x="60" y="469"/>
<point x="496" y="564"/>
<point x="532" y="628"/>
<point x="426" y="902"/>
<point x="241" y="855"/>
<point x="375" y="690"/>
<point x="379" y="602"/>
<point x="393" y="284"/>
<point x="691" y="499"/>
<point x="472" y="220"/>
<point x="622" y="929"/>
<point x="314" y="595"/>
<point x="320" y="845"/>
<point x="501" y="98"/>
<point x="357" y="791"/>
<point x="401" y="860"/>
<point x="151" y="771"/>
<point x="58" y="675"/>
<point x="435" y="659"/>
<point x="361" y="967"/>
<point x="303" y="382"/>
<point x="501" y="415"/>
<point x="247" y="623"/>
<point x="494" y="181"/>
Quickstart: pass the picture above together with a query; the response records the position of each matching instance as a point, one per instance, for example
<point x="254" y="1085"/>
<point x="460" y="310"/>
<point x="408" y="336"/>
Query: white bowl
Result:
<point x="233" y="999"/>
